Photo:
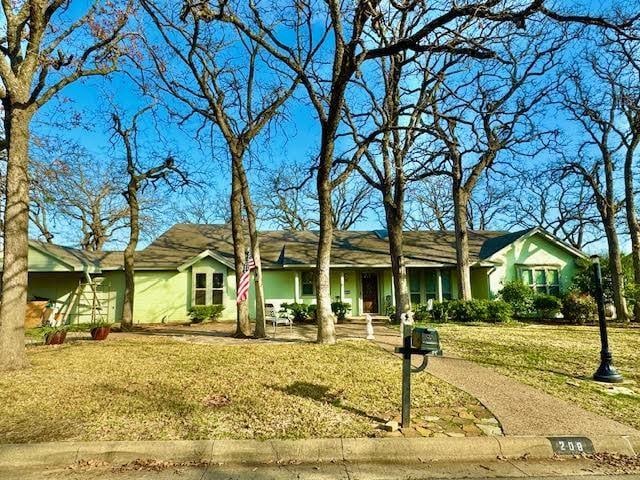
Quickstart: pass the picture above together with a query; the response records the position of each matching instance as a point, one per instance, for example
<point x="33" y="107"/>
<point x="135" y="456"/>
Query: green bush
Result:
<point x="546" y="306"/>
<point x="499" y="311"/>
<point x="421" y="312"/>
<point x="312" y="312"/>
<point x="299" y="311"/>
<point x="201" y="313"/>
<point x="469" y="310"/>
<point x="578" y="308"/>
<point x="519" y="296"/>
<point x="440" y="311"/>
<point x="493" y="311"/>
<point x="340" y="309"/>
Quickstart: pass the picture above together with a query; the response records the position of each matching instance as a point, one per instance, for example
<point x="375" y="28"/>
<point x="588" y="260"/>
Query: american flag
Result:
<point x="243" y="287"/>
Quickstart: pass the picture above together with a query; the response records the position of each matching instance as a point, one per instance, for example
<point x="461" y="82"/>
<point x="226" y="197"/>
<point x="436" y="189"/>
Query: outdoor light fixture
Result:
<point x="606" y="371"/>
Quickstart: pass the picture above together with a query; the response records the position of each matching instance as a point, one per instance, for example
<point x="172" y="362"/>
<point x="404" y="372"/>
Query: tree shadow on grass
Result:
<point x="323" y="394"/>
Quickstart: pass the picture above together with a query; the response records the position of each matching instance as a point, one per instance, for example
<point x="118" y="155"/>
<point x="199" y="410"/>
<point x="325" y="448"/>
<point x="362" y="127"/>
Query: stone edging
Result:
<point x="369" y="450"/>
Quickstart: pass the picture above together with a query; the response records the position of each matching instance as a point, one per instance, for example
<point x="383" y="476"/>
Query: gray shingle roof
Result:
<point x="282" y="248"/>
<point x="290" y="248"/>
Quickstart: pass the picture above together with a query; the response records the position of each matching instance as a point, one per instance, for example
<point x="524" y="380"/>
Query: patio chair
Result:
<point x="273" y="315"/>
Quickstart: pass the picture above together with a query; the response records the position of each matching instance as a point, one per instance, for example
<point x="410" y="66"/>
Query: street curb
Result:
<point x="362" y="450"/>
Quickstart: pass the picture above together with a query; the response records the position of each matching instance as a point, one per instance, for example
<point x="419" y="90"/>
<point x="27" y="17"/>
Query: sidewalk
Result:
<point x="521" y="409"/>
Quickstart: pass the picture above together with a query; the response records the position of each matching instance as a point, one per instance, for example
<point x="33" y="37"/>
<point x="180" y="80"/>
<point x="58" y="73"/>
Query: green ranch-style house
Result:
<point x="193" y="265"/>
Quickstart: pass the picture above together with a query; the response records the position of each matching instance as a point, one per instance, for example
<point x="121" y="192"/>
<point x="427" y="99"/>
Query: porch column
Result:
<point x="342" y="285"/>
<point x="296" y="287"/>
<point x="439" y="284"/>
<point x="393" y="292"/>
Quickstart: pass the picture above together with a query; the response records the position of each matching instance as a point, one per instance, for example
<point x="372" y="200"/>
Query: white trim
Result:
<point x="202" y="255"/>
<point x="538" y="230"/>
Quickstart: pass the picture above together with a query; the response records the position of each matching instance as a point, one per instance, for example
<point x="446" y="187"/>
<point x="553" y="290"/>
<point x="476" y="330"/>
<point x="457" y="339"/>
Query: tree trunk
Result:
<point x="615" y="265"/>
<point x="129" y="281"/>
<point x="16" y="240"/>
<point x="632" y="221"/>
<point x="260" y="330"/>
<point x="460" y="201"/>
<point x="243" y="325"/>
<point x="395" y="221"/>
<point x="325" y="317"/>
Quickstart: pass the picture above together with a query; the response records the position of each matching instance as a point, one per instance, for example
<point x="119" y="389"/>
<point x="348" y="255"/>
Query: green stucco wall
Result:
<point x="166" y="295"/>
<point x="532" y="251"/>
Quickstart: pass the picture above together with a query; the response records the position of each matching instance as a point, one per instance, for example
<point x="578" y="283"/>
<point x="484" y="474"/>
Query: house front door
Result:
<point x="370" y="293"/>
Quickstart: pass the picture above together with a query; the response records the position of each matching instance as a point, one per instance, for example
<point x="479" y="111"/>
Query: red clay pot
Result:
<point x="100" y="333"/>
<point x="55" y="338"/>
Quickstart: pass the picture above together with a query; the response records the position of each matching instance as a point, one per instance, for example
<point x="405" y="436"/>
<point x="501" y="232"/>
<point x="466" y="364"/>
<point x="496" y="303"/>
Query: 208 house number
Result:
<point x="571" y="445"/>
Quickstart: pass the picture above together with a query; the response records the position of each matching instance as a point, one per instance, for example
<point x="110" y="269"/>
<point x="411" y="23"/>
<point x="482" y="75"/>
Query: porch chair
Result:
<point x="276" y="318"/>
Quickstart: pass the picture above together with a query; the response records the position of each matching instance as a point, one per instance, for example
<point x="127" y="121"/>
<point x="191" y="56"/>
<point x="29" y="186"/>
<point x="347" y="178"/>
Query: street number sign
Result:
<point x="571" y="445"/>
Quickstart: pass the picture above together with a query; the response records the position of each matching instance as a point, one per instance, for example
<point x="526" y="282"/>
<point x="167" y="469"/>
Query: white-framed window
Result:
<point x="217" y="287"/>
<point x="208" y="288"/>
<point x="308" y="282"/>
<point x="200" y="289"/>
<point x="542" y="279"/>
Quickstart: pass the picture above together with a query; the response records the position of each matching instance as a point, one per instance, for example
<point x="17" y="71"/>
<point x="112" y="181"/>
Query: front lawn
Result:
<point x="148" y="388"/>
<point x="557" y="359"/>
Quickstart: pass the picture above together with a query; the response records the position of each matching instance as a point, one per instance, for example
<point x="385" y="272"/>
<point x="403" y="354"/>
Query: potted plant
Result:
<point x="54" y="335"/>
<point x="100" y="330"/>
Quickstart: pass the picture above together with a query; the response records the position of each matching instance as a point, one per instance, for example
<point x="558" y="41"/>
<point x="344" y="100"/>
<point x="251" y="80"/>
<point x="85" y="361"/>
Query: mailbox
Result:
<point x="426" y="340"/>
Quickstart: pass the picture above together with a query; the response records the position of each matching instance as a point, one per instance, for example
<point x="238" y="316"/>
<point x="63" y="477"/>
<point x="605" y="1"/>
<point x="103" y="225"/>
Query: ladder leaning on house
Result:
<point x="85" y="301"/>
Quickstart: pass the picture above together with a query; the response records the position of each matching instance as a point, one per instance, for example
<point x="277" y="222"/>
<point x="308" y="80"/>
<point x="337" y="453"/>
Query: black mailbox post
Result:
<point x="418" y="341"/>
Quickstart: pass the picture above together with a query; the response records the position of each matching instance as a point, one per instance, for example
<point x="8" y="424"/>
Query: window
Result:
<point x="208" y="288"/>
<point x="307" y="281"/>
<point x="446" y="284"/>
<point x="201" y="289"/>
<point x="542" y="279"/>
<point x="216" y="288"/>
<point x="431" y="284"/>
<point x="414" y="287"/>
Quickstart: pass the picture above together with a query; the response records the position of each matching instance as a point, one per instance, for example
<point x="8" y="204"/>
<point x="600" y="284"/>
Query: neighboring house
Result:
<point x="193" y="265"/>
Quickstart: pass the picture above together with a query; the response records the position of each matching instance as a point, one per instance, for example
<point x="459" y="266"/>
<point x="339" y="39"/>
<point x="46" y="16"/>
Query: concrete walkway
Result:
<point x="521" y="409"/>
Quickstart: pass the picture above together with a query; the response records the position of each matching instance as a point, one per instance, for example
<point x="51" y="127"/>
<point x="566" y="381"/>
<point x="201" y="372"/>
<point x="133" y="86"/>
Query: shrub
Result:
<point x="311" y="312"/>
<point x="494" y="311"/>
<point x="299" y="311"/>
<point x="421" y="312"/>
<point x="546" y="306"/>
<point x="440" y="311"/>
<point x="201" y="313"/>
<point x="578" y="308"/>
<point x="519" y="296"/>
<point x="499" y="311"/>
<point x="469" y="310"/>
<point x="340" y="309"/>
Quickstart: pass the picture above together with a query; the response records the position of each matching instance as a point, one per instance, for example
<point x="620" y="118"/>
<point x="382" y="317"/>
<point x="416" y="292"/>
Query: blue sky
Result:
<point x="91" y="98"/>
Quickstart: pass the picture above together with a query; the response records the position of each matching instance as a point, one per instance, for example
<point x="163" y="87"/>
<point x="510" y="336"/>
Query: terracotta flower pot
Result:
<point x="100" y="333"/>
<point x="55" y="338"/>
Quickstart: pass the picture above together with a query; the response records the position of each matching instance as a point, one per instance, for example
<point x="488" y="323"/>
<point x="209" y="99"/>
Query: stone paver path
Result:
<point x="521" y="409"/>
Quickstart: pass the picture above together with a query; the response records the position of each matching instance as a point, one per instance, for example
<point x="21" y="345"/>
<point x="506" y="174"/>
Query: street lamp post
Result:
<point x="606" y="371"/>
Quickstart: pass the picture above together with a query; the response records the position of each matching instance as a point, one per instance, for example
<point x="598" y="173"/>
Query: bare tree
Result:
<point x="429" y="204"/>
<point x="139" y="178"/>
<point x="287" y="29"/>
<point x="233" y="89"/>
<point x="493" y="109"/>
<point x="603" y="100"/>
<point x="486" y="204"/>
<point x="287" y="200"/>
<point x="46" y="45"/>
<point x="564" y="206"/>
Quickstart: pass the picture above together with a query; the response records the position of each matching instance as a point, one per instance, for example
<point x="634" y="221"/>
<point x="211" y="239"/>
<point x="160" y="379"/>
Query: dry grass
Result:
<point x="149" y="388"/>
<point x="558" y="360"/>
